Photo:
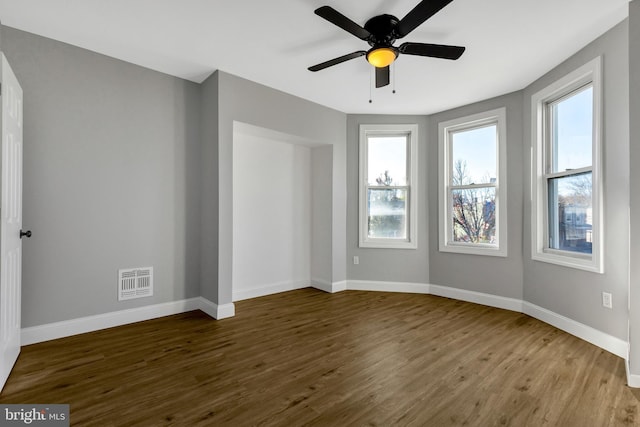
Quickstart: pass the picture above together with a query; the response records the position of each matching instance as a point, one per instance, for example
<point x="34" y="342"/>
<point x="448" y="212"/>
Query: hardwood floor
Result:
<point x="311" y="358"/>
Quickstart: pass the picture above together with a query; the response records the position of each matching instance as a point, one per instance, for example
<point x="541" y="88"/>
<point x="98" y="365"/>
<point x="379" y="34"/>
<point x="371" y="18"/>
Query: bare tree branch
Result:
<point x="473" y="209"/>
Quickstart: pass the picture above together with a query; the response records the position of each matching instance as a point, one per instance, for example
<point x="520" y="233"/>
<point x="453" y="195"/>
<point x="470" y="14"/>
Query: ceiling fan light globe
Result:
<point x="382" y="56"/>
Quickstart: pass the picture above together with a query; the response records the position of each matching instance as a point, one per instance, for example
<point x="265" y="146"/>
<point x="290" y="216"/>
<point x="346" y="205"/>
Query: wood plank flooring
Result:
<point x="311" y="358"/>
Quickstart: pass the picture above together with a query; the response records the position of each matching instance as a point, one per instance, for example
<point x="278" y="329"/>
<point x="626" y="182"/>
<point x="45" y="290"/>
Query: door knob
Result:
<point x="25" y="233"/>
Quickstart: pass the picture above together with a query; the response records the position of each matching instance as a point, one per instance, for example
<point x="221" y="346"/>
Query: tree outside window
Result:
<point x="387" y="209"/>
<point x="474" y="209"/>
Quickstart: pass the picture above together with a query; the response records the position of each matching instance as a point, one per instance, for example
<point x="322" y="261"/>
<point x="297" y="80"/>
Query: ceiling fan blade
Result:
<point x="432" y="50"/>
<point x="382" y="76"/>
<point x="336" y="61"/>
<point x="336" y="18"/>
<point x="423" y="11"/>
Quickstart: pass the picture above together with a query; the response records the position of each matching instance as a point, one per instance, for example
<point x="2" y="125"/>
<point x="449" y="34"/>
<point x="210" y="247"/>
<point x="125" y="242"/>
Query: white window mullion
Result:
<point x="474" y="186"/>
<point x="569" y="172"/>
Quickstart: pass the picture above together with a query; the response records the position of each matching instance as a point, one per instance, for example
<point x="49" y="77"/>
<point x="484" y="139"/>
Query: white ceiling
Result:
<point x="509" y="43"/>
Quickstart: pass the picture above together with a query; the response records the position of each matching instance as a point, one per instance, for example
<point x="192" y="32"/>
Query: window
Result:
<point x="567" y="209"/>
<point x="388" y="186"/>
<point x="472" y="196"/>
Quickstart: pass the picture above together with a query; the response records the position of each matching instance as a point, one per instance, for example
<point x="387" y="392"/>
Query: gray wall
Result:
<point x="391" y="265"/>
<point x="247" y="102"/>
<point x="488" y="274"/>
<point x="634" y="190"/>
<point x="573" y="293"/>
<point x="209" y="184"/>
<point x="321" y="215"/>
<point x="111" y="179"/>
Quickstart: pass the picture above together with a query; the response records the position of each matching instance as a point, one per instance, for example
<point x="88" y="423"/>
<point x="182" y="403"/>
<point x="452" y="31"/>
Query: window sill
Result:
<point x="393" y="244"/>
<point x="577" y="261"/>
<point x="483" y="250"/>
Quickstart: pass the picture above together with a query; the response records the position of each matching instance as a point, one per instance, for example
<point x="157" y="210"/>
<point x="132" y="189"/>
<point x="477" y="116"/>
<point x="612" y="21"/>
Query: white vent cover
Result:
<point x="135" y="283"/>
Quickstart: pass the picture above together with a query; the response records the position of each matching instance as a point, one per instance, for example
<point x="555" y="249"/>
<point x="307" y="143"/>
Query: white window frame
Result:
<point x="411" y="131"/>
<point x="446" y="129"/>
<point x="590" y="73"/>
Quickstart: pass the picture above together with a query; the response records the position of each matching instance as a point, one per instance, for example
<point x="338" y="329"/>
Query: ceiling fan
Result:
<point x="382" y="31"/>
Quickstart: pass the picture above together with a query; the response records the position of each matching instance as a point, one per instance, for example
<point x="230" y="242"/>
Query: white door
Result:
<point x="10" y="220"/>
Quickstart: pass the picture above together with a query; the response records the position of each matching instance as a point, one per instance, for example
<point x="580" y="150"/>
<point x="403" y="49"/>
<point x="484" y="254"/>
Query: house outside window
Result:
<point x="566" y="176"/>
<point x="388" y="186"/>
<point x="472" y="190"/>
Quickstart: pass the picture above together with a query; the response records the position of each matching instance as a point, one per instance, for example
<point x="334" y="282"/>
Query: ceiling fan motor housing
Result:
<point x="382" y="29"/>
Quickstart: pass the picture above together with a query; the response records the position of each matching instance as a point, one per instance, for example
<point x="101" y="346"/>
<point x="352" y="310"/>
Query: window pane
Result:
<point x="387" y="213"/>
<point x="474" y="156"/>
<point x="571" y="213"/>
<point x="387" y="160"/>
<point x="572" y="130"/>
<point x="474" y="215"/>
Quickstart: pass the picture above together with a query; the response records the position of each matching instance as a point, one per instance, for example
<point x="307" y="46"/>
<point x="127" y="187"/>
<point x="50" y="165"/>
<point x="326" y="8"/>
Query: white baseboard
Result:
<point x="477" y="297"/>
<point x="371" y="285"/>
<point x="321" y="285"/>
<point x="82" y="325"/>
<point x="605" y="341"/>
<point x="633" y="380"/>
<point x="442" y="291"/>
<point x="329" y="287"/>
<point x="225" y="311"/>
<point x="67" y="328"/>
<point x="216" y="311"/>
<point x="274" y="288"/>
<point x="339" y="286"/>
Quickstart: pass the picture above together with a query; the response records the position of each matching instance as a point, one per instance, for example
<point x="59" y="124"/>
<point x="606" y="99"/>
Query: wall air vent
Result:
<point x="135" y="283"/>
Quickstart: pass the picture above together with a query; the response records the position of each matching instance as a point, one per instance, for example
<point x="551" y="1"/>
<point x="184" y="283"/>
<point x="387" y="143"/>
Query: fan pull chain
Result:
<point x="393" y="70"/>
<point x="370" y="85"/>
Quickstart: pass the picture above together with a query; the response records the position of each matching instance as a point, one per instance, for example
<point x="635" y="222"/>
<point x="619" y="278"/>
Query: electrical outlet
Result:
<point x="356" y="260"/>
<point x="606" y="300"/>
